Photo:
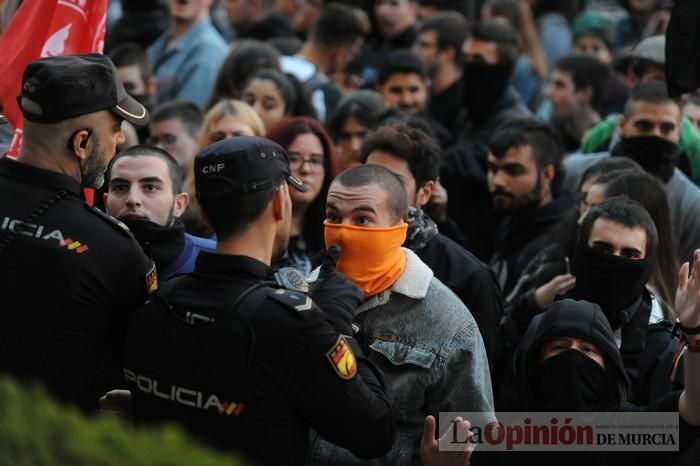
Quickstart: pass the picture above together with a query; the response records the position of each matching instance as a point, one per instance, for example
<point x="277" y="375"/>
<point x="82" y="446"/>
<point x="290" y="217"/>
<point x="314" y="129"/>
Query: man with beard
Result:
<point x="241" y="362"/>
<point x="71" y="275"/>
<point x="420" y="334"/>
<point x="187" y="56"/>
<point x="649" y="135"/>
<point x="524" y="173"/>
<point x="145" y="191"/>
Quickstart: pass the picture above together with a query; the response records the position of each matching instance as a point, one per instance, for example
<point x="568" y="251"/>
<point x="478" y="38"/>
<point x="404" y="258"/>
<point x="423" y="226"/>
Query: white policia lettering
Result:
<point x="31" y="229"/>
<point x="182" y="395"/>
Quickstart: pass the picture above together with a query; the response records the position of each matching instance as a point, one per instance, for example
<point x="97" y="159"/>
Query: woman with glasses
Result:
<point x="311" y="153"/>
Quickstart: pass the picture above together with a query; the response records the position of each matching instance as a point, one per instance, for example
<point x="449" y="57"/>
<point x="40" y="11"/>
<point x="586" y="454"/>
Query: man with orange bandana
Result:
<point x="414" y="328"/>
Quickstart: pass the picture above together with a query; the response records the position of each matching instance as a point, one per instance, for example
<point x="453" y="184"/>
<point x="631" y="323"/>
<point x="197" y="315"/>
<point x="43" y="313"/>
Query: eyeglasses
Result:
<point x="297" y="162"/>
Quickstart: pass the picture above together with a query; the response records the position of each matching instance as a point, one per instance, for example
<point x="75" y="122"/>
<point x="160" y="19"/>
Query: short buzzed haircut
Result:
<point x="626" y="212"/>
<point x="144" y="150"/>
<point x="412" y="145"/>
<point x="338" y="26"/>
<point x="365" y="175"/>
<point x="653" y="91"/>
<point x="187" y="112"/>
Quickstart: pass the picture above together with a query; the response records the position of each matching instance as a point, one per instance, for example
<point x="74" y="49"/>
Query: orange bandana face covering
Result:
<point x="369" y="257"/>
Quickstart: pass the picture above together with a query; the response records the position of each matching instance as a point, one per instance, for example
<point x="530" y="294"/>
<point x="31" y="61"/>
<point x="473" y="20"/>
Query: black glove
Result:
<point x="337" y="296"/>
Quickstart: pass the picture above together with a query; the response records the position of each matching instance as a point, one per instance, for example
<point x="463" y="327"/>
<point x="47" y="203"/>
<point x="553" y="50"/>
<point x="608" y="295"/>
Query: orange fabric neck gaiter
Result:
<point x="371" y="258"/>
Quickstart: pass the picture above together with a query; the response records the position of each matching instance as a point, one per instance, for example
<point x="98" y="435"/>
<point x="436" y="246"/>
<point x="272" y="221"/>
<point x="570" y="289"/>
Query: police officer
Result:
<point x="70" y="276"/>
<point x="248" y="363"/>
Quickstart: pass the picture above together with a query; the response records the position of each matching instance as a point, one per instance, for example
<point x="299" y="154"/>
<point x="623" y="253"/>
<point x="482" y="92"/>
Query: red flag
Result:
<point x="44" y="28"/>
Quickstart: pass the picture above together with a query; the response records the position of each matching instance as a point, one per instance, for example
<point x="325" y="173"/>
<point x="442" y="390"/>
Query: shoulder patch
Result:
<point x="117" y="224"/>
<point x="152" y="280"/>
<point x="342" y="359"/>
<point x="298" y="302"/>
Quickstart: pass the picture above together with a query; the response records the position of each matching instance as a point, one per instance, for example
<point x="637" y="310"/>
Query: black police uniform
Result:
<point x="252" y="374"/>
<point x="69" y="280"/>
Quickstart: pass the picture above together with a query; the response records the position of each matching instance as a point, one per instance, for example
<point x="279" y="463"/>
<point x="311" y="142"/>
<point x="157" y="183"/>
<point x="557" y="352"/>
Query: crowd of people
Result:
<point x="319" y="225"/>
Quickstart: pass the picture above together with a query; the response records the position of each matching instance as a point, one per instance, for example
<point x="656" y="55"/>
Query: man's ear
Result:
<point x="278" y="203"/>
<point x="450" y="54"/>
<point x="547" y="174"/>
<point x="182" y="200"/>
<point x="424" y="193"/>
<point x="621" y="122"/>
<point x="104" y="199"/>
<point x="79" y="142"/>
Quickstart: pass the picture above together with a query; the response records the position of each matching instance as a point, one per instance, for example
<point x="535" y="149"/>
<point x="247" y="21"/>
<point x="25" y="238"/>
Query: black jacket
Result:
<point x="252" y="376"/>
<point x="682" y="50"/>
<point x="647" y="352"/>
<point x="472" y="281"/>
<point x="463" y="175"/>
<point x="70" y="279"/>
<point x="521" y="237"/>
<point x="586" y="321"/>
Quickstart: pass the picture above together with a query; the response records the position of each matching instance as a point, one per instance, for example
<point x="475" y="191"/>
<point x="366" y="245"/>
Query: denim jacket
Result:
<point x="429" y="348"/>
<point x="187" y="69"/>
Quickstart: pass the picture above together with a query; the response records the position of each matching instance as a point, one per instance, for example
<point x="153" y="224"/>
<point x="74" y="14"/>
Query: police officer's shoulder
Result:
<point x="115" y="224"/>
<point x="295" y="301"/>
<point x="290" y="290"/>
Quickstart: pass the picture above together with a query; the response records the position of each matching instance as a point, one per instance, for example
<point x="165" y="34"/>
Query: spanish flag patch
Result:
<point x="342" y="359"/>
<point x="152" y="280"/>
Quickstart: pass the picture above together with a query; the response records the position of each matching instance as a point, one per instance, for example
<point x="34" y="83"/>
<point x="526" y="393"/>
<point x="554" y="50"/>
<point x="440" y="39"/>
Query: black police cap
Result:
<point x="68" y="86"/>
<point x="241" y="165"/>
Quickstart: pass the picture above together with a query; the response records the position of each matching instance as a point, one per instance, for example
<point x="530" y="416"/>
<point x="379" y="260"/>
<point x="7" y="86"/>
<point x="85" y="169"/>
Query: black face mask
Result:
<point x="656" y="155"/>
<point x="483" y="86"/>
<point x="421" y="229"/>
<point x="163" y="244"/>
<point x="612" y="282"/>
<point x="570" y="381"/>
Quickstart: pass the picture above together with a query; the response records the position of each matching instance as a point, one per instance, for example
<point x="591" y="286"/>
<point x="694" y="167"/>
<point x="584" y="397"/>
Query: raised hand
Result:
<point x="430" y="452"/>
<point x="688" y="294"/>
